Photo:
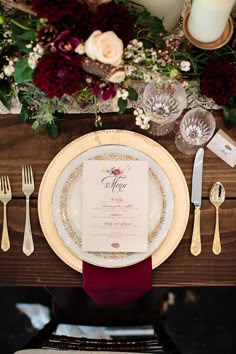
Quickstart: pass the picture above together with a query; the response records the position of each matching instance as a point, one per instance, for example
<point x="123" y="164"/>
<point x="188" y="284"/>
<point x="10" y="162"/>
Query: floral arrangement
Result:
<point x="54" y="52"/>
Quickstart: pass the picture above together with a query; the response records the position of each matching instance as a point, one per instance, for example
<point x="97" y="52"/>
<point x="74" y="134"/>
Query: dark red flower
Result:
<point x="56" y="75"/>
<point x="65" y="43"/>
<point x="106" y="90"/>
<point x="218" y="80"/>
<point x="65" y="14"/>
<point x="54" y="10"/>
<point x="114" y="17"/>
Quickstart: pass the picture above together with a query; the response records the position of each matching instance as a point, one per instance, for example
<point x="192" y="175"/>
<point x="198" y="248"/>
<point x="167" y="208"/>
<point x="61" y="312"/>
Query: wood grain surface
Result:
<point x="19" y="146"/>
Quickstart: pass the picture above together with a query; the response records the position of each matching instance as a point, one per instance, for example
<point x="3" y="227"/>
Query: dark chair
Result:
<point x="73" y="306"/>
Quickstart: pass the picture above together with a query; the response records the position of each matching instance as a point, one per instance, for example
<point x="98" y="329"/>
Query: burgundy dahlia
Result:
<point x="54" y="10"/>
<point x="56" y="75"/>
<point x="218" y="80"/>
<point x="65" y="15"/>
<point x="114" y="17"/>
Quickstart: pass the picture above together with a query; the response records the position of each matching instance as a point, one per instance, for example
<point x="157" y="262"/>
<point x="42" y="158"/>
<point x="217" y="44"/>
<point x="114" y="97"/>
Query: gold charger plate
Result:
<point x="123" y="138"/>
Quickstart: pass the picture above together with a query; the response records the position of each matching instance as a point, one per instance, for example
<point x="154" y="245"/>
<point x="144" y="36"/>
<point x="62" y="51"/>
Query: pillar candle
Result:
<point x="170" y="10"/>
<point x="208" y="18"/>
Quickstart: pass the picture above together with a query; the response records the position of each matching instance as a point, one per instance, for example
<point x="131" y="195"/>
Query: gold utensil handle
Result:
<point x="195" y="247"/>
<point x="28" y="244"/>
<point x="5" y="244"/>
<point x="216" y="247"/>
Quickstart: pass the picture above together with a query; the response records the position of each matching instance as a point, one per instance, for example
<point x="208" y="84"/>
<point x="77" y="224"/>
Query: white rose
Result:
<point x="105" y="47"/>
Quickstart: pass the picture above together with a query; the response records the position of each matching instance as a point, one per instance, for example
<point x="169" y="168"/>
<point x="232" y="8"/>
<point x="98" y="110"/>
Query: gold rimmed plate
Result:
<point x="118" y="138"/>
<point x="67" y="206"/>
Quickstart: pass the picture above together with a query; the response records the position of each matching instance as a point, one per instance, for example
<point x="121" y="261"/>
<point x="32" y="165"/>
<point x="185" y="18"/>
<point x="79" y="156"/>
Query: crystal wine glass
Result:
<point x="195" y="130"/>
<point x="163" y="102"/>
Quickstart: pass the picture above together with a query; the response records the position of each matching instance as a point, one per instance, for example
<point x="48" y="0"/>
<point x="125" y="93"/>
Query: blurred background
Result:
<point x="199" y="320"/>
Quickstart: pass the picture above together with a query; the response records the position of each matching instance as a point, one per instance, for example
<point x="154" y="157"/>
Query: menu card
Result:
<point x="224" y="147"/>
<point x="115" y="206"/>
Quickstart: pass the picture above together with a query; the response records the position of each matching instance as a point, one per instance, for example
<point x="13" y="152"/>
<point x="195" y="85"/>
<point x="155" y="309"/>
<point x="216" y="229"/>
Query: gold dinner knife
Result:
<point x="196" y="199"/>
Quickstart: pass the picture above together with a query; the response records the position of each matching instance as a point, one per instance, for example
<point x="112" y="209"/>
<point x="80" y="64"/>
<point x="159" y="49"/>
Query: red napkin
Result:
<point x="117" y="286"/>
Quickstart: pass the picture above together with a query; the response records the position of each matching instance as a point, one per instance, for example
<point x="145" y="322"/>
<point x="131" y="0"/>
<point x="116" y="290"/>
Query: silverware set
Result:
<point x="5" y="197"/>
<point x="216" y="196"/>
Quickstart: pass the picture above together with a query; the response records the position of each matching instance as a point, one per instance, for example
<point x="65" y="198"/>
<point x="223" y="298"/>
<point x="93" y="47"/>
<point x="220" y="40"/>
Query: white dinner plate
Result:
<point x="56" y="177"/>
<point x="67" y="205"/>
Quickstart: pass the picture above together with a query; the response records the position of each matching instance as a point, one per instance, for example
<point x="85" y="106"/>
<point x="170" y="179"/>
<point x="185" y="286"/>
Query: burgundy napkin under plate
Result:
<point x="117" y="286"/>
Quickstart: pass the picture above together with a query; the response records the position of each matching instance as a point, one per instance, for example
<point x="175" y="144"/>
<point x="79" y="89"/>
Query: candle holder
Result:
<point x="220" y="42"/>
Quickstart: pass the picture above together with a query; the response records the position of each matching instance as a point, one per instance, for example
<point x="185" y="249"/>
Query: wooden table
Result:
<point x="19" y="145"/>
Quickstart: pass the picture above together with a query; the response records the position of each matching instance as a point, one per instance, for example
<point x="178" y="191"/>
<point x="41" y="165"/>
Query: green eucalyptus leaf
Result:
<point x="27" y="36"/>
<point x="153" y="24"/>
<point x="122" y="104"/>
<point x="35" y="125"/>
<point x="54" y="100"/>
<point x="6" y="100"/>
<point x="22" y="38"/>
<point x="230" y="116"/>
<point x="22" y="33"/>
<point x="133" y="95"/>
<point x="5" y="87"/>
<point x="52" y="130"/>
<point x="24" y="97"/>
<point x="25" y="114"/>
<point x="23" y="73"/>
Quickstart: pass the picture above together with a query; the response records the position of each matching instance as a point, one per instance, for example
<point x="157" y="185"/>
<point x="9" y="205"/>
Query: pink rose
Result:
<point x="105" y="47"/>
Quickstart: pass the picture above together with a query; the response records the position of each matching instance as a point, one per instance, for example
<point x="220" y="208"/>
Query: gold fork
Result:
<point x="28" y="188"/>
<point x="5" y="197"/>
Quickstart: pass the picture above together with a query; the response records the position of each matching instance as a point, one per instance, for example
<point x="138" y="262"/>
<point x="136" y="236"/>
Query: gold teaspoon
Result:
<point x="217" y="197"/>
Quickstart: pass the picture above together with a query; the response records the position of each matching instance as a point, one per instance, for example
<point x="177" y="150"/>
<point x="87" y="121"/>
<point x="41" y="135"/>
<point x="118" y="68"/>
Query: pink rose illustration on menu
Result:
<point x="116" y="171"/>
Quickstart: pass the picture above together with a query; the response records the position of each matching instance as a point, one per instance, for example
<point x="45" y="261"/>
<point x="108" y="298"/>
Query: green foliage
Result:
<point x="23" y="32"/>
<point x="133" y="8"/>
<point x="52" y="130"/>
<point x="229" y="113"/>
<point x="122" y="104"/>
<point x="133" y="95"/>
<point x="152" y="25"/>
<point x="5" y="93"/>
<point x="23" y="73"/>
<point x="45" y="112"/>
<point x="25" y="113"/>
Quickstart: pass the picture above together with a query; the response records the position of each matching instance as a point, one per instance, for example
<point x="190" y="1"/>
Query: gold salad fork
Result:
<point x="5" y="197"/>
<point x="28" y="188"/>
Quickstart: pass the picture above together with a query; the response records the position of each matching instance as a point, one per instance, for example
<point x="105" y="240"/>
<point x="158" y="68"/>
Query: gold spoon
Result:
<point x="217" y="197"/>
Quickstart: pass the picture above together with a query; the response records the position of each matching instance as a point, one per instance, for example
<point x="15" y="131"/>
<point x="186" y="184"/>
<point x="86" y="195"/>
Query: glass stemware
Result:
<point x="163" y="102"/>
<point x="195" y="130"/>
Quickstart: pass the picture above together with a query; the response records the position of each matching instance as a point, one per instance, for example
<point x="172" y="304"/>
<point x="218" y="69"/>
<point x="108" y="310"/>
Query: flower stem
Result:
<point x="98" y="118"/>
<point x="20" y="25"/>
